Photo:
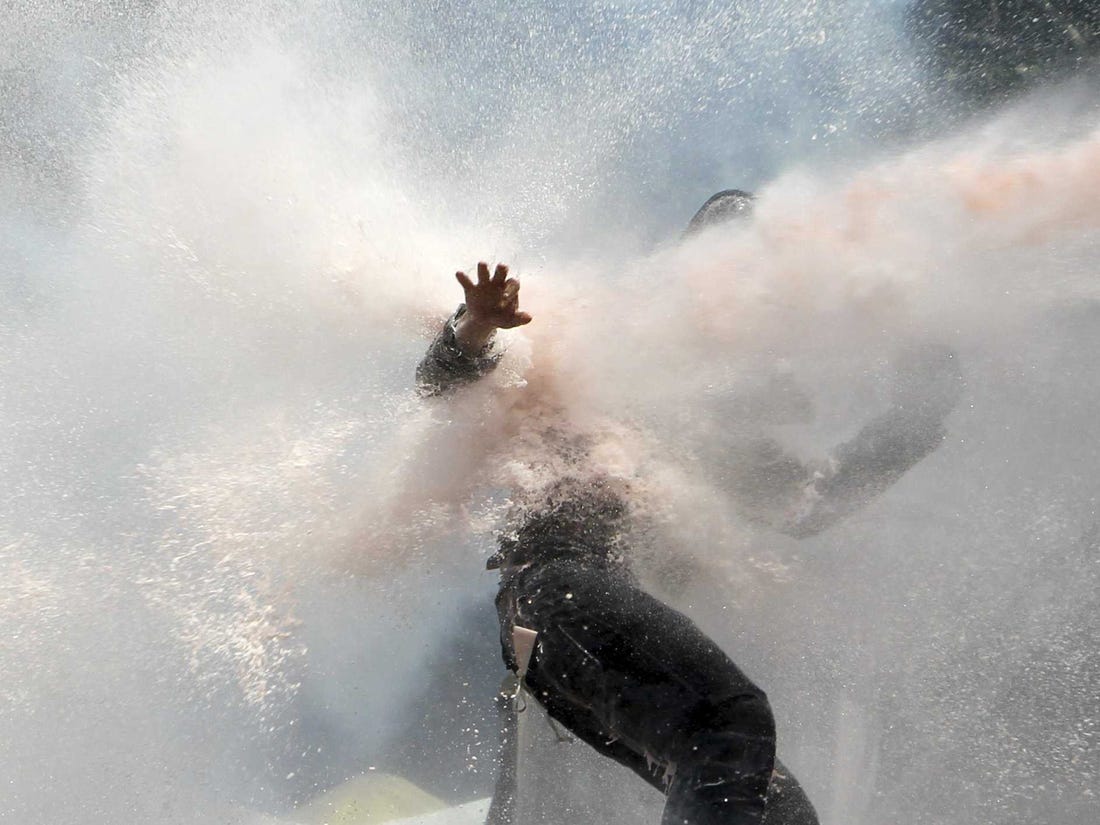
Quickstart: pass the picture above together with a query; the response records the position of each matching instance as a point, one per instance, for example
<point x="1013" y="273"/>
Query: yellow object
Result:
<point x="368" y="800"/>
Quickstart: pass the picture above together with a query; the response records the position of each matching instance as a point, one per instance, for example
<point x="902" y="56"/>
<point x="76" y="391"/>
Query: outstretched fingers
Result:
<point x="464" y="281"/>
<point x="494" y="300"/>
<point x="510" y="302"/>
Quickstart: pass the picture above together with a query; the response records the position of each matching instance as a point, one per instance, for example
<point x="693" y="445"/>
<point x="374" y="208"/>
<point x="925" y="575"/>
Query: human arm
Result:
<point x="774" y="488"/>
<point x="888" y="446"/>
<point x="462" y="351"/>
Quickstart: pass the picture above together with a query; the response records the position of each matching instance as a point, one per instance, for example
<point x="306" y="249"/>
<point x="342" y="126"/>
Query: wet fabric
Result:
<point x="639" y="682"/>
<point x="446" y="367"/>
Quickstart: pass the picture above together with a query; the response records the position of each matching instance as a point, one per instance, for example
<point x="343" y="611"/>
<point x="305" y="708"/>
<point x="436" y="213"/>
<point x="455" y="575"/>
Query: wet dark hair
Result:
<point x="727" y="205"/>
<point x="578" y="519"/>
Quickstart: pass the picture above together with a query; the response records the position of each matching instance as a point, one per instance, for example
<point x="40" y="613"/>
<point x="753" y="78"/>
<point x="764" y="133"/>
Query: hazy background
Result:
<point x="238" y="565"/>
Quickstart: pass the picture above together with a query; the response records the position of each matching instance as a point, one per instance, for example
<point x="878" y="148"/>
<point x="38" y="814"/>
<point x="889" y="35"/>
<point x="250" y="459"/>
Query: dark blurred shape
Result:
<point x="773" y="488"/>
<point x="727" y="205"/>
<point x="987" y="50"/>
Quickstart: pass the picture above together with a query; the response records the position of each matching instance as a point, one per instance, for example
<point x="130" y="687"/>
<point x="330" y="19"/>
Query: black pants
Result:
<point x="640" y="683"/>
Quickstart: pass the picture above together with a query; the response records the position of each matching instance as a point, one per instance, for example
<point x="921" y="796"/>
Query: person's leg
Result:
<point x="641" y="683"/>
<point x="786" y="803"/>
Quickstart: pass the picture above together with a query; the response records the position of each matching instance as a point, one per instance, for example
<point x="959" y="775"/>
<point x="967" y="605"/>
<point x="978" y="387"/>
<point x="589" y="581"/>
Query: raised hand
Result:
<point x="492" y="303"/>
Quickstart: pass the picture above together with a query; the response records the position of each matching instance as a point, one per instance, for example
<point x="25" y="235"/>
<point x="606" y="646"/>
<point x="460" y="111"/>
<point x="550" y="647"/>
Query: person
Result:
<point x="768" y="486"/>
<point x="629" y="675"/>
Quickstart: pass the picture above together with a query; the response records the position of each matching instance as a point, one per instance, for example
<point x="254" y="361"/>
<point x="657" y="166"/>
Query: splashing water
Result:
<point x="235" y="544"/>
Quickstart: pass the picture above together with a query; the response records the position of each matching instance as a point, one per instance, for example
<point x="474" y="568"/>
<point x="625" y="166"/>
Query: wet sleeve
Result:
<point x="886" y="447"/>
<point x="863" y="468"/>
<point x="766" y="482"/>
<point x="773" y="488"/>
<point x="445" y="366"/>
